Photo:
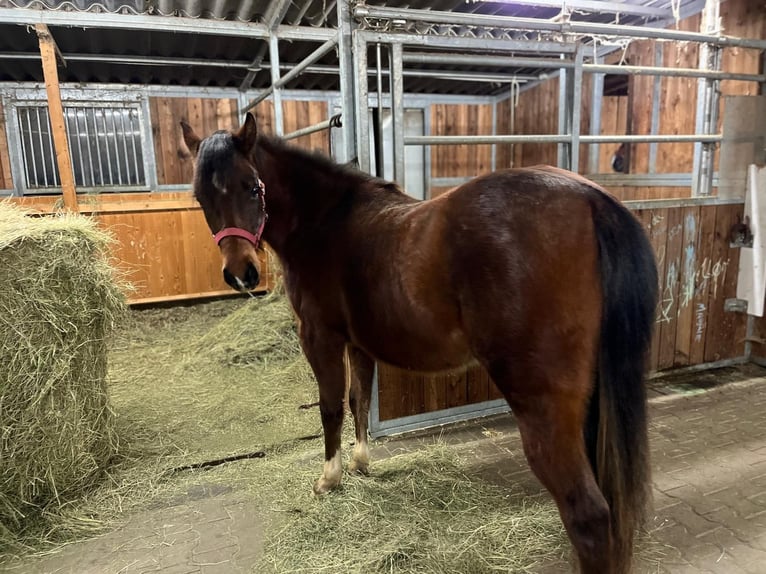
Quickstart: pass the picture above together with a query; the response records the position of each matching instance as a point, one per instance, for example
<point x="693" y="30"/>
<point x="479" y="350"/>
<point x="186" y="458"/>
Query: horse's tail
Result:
<point x="616" y="426"/>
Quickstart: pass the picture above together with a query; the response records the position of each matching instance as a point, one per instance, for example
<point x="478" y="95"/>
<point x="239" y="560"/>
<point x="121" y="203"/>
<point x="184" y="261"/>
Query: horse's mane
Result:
<point x="345" y="175"/>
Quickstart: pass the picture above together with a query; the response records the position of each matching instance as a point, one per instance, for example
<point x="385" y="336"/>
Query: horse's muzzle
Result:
<point x="248" y="282"/>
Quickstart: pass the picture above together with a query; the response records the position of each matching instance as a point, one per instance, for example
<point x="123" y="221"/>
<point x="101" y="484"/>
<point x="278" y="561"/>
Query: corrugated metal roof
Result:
<point x="166" y="58"/>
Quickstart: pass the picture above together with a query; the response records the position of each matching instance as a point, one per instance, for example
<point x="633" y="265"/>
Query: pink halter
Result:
<point x="243" y="233"/>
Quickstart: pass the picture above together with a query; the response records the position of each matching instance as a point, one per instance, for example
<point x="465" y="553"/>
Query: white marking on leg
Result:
<point x="331" y="475"/>
<point x="360" y="459"/>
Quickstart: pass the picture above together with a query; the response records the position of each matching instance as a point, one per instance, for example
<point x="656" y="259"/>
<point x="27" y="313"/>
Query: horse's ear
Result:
<point x="247" y="134"/>
<point x="191" y="139"/>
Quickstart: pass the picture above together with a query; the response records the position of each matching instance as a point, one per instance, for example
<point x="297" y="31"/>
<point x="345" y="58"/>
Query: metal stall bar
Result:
<point x="397" y="111"/>
<point x="377" y="124"/>
<point x="279" y="120"/>
<point x="361" y="101"/>
<point x="534" y="24"/>
<point x="483" y="60"/>
<point x="655" y="121"/>
<point x="563" y="120"/>
<point x="347" y="83"/>
<point x="333" y="122"/>
<point x="294" y="72"/>
<point x="154" y="23"/>
<point x="595" y="120"/>
<point x="552" y="138"/>
<point x="673" y="72"/>
<point x="575" y="112"/>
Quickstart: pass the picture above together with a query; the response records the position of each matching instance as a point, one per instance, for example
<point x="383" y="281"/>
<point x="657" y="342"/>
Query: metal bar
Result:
<point x="595" y="6"/>
<point x="595" y="119"/>
<point x="106" y="148"/>
<point x="361" y="104"/>
<point x="88" y="146"/>
<point x="574" y="146"/>
<point x="535" y="24"/>
<point x="709" y="23"/>
<point x="377" y="130"/>
<point x="333" y="122"/>
<point x="427" y="159"/>
<point x="397" y="111"/>
<point x="436" y="418"/>
<point x="176" y="24"/>
<point x="136" y="165"/>
<point x="43" y="151"/>
<point x="98" y="148"/>
<point x="79" y="149"/>
<point x="347" y="89"/>
<point x="31" y="155"/>
<point x="644" y="179"/>
<point x="279" y="121"/>
<point x="493" y="149"/>
<point x="655" y="121"/>
<point x="116" y="148"/>
<point x="296" y="70"/>
<point x="275" y="13"/>
<point x="673" y="72"/>
<point x="711" y="124"/>
<point x="16" y="147"/>
<point x="467" y="43"/>
<point x="561" y="156"/>
<point x="551" y="138"/>
<point x="483" y="60"/>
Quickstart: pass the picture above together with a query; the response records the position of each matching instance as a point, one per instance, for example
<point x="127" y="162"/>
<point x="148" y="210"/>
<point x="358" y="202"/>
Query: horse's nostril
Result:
<point x="231" y="281"/>
<point x="251" y="276"/>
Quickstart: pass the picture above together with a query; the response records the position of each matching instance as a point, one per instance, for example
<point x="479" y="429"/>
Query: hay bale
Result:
<point x="58" y="302"/>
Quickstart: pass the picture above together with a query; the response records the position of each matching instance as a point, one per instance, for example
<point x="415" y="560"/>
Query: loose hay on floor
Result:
<point x="58" y="302"/>
<point x="422" y="512"/>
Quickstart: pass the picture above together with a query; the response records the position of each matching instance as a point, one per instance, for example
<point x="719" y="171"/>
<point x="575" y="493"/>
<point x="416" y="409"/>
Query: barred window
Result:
<point x="104" y="144"/>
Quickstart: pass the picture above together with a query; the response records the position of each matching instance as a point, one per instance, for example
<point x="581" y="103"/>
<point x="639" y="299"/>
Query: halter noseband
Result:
<point x="243" y="233"/>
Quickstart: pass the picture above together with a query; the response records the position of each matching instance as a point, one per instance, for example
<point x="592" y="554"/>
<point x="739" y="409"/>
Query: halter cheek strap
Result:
<point x="243" y="233"/>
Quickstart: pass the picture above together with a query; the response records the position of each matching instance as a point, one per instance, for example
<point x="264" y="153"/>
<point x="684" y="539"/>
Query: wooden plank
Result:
<point x="701" y="298"/>
<point x="658" y="235"/>
<point x="670" y="288"/>
<point x="724" y="340"/>
<point x="690" y="245"/>
<point x="477" y="385"/>
<point x="56" y="113"/>
<point x="6" y="179"/>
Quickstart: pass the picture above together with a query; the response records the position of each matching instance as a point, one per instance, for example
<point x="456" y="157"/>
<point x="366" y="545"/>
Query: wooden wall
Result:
<point x="6" y="182"/>
<point x="460" y="160"/>
<point x="698" y="272"/>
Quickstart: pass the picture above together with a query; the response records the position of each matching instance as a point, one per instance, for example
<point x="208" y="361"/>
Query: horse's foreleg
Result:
<point x="324" y="351"/>
<point x="361" y="368"/>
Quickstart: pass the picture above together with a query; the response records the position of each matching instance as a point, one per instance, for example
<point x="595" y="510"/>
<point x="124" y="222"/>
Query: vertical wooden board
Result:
<point x="201" y="257"/>
<point x="128" y="251"/>
<point x="688" y="269"/>
<point x="318" y="112"/>
<point x="170" y="141"/>
<point x="700" y="302"/>
<point x="6" y="181"/>
<point x="721" y="342"/>
<point x="484" y="128"/>
<point x="455" y="389"/>
<point x="157" y="136"/>
<point x="670" y="288"/>
<point x="434" y="394"/>
<point x="658" y="236"/>
<point x="477" y="385"/>
<point x="644" y="216"/>
<point x="389" y="395"/>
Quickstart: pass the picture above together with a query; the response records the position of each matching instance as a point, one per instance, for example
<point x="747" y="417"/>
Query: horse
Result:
<point x="537" y="274"/>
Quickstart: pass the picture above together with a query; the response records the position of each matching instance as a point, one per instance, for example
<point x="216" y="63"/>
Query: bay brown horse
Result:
<point x="538" y="274"/>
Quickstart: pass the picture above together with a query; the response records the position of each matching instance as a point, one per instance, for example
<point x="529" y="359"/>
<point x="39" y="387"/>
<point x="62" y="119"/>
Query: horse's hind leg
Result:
<point x="324" y="351"/>
<point x="361" y="369"/>
<point x="551" y="425"/>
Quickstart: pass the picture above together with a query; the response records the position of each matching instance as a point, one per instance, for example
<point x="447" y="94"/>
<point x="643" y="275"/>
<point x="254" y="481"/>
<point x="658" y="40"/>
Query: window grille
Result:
<point x="104" y="144"/>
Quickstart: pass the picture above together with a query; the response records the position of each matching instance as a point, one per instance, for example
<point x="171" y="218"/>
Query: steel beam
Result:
<point x="478" y="44"/>
<point x="575" y="112"/>
<point x="175" y="24"/>
<point x="673" y="72"/>
<point x="275" y="91"/>
<point x="296" y="70"/>
<point x="397" y="111"/>
<point x="655" y="121"/>
<point x="535" y="24"/>
<point x="596" y="7"/>
<point x="595" y="120"/>
<point x="346" y="74"/>
<point x="361" y="104"/>
<point x="563" y="118"/>
<point x="483" y="60"/>
<point x="273" y="17"/>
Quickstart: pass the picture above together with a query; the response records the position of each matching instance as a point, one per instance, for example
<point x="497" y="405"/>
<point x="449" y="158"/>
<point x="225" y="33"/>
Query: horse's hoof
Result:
<point x="358" y="467"/>
<point x="323" y="486"/>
